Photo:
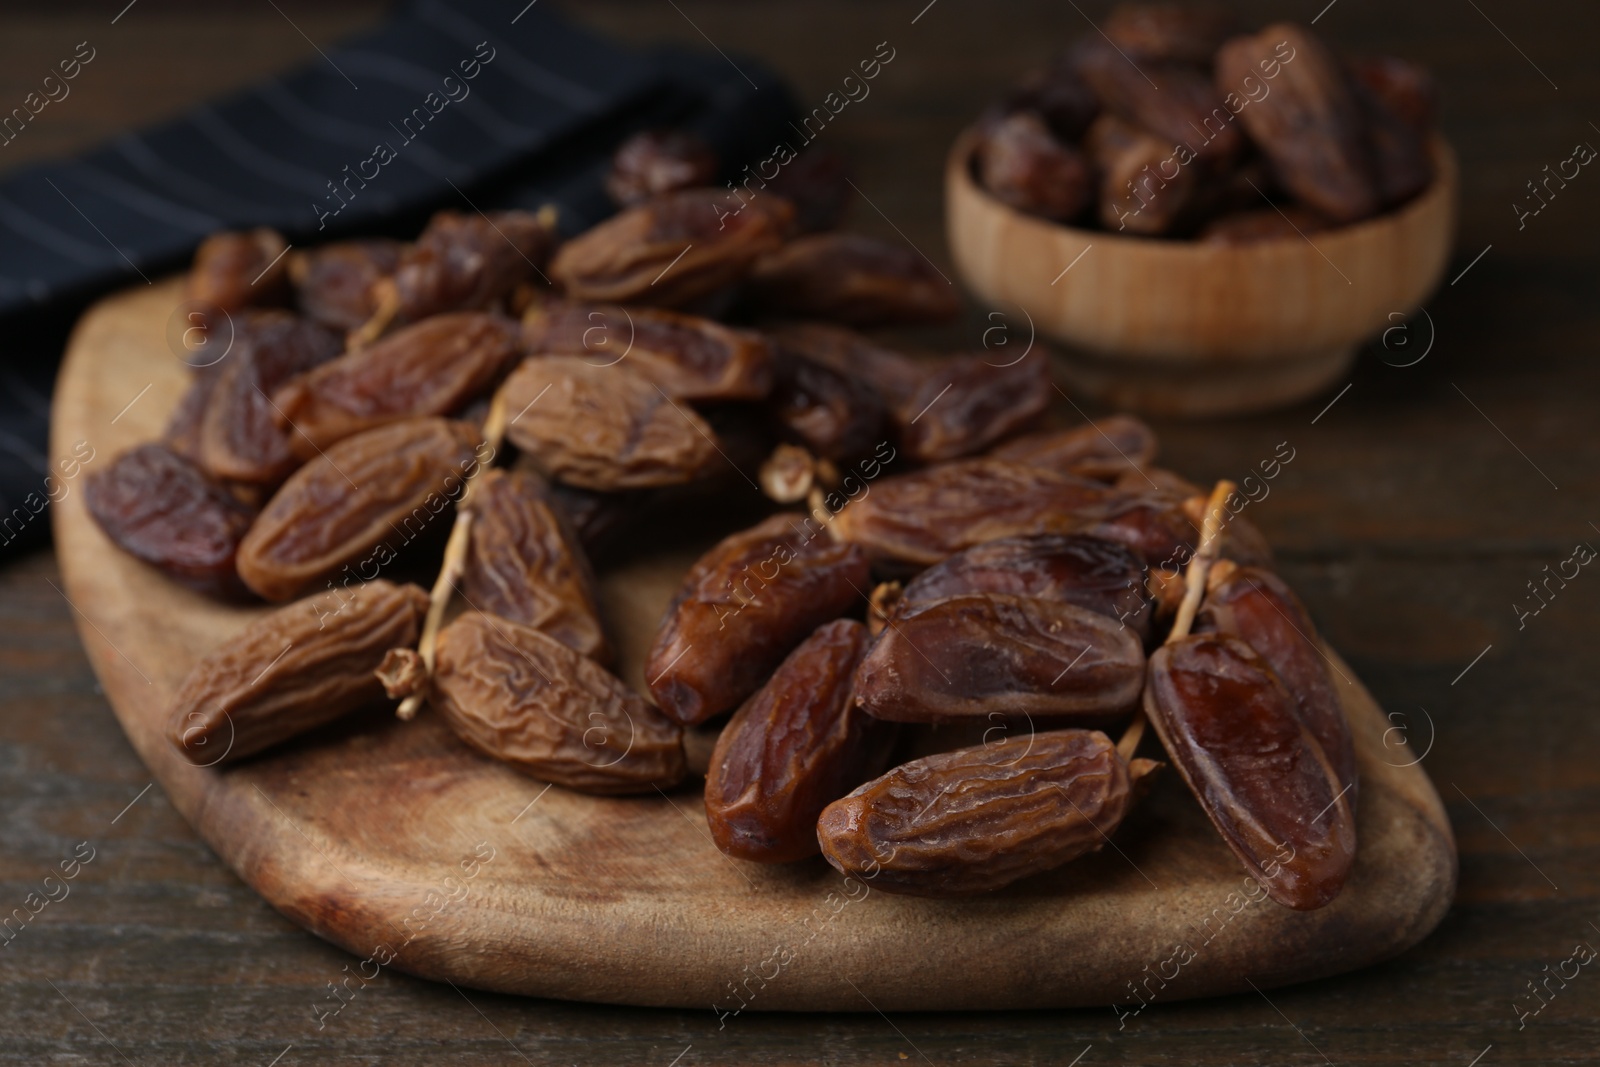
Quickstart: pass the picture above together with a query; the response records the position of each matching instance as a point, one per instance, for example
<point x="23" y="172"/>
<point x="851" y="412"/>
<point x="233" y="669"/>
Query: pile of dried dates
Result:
<point x="907" y="668"/>
<point x="1174" y="122"/>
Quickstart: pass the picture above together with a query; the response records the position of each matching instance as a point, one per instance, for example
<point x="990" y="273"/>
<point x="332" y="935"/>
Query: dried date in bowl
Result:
<point x="976" y="819"/>
<point x="359" y="503"/>
<point x="519" y="695"/>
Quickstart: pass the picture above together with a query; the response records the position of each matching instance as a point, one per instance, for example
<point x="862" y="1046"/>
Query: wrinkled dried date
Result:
<point x="1174" y="101"/>
<point x="1104" y="449"/>
<point x="1406" y="87"/>
<point x="652" y="162"/>
<point x="1058" y="94"/>
<point x="967" y="403"/>
<point x="1311" y="125"/>
<point x="689" y="357"/>
<point x="1101" y="576"/>
<point x="980" y="818"/>
<point x="431" y="368"/>
<point x="345" y="505"/>
<point x="1256" y="605"/>
<point x="239" y="435"/>
<point x="303" y="665"/>
<point x="672" y="250"/>
<point x="519" y="695"/>
<point x="161" y="508"/>
<point x="851" y="278"/>
<point x="334" y="283"/>
<point x="603" y="427"/>
<point x="1021" y="162"/>
<point x="837" y="415"/>
<point x="236" y="270"/>
<point x="1233" y="731"/>
<point x="524" y="565"/>
<point x="741" y="609"/>
<point x="1137" y="194"/>
<point x="468" y="262"/>
<point x="976" y="654"/>
<point x="795" y="746"/>
<point x="1400" y="160"/>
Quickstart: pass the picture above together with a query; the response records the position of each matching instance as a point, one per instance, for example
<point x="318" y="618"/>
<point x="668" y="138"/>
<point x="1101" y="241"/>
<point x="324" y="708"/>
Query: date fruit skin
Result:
<point x="524" y="564"/>
<point x="1056" y="93"/>
<point x="333" y="283"/>
<point x="921" y="517"/>
<point x="1407" y="88"/>
<point x="1175" y="102"/>
<point x="1022" y="163"/>
<point x="1400" y="159"/>
<point x="672" y="250"/>
<point x="1233" y="731"/>
<point x="431" y="368"/>
<point x="743" y="607"/>
<point x="689" y="357"/>
<point x="836" y="414"/>
<point x="603" y="428"/>
<point x="519" y="695"/>
<point x="239" y="436"/>
<point x="302" y="665"/>
<point x="1163" y="32"/>
<point x="798" y="744"/>
<point x="467" y="262"/>
<point x="1102" y="576"/>
<point x="345" y="506"/>
<point x="977" y="819"/>
<point x="163" y="509"/>
<point x="967" y="403"/>
<point x="653" y="162"/>
<point x="234" y="270"/>
<point x="1143" y="189"/>
<point x="853" y="279"/>
<point x="973" y="654"/>
<point x="1104" y="449"/>
<point x="1257" y="606"/>
<point x="1311" y="125"/>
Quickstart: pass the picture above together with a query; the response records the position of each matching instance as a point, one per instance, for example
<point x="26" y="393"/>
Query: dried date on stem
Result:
<point x="603" y="427"/>
<point x="467" y="263"/>
<point x="361" y="501"/>
<point x="974" y="654"/>
<point x="1143" y="187"/>
<point x="922" y="517"/>
<point x="1311" y="125"/>
<point x="977" y="819"/>
<point x="967" y="403"/>
<point x="1021" y="162"/>
<point x="1232" y="728"/>
<point x="239" y="436"/>
<point x="672" y="250"/>
<point x="652" y="162"/>
<point x="835" y="413"/>
<point x="689" y="357"/>
<point x="431" y="368"/>
<point x="1099" y="575"/>
<point x="162" y="509"/>
<point x="519" y="695"/>
<point x="1104" y="449"/>
<point x="851" y="278"/>
<point x="1256" y="605"/>
<point x="303" y="665"/>
<point x="798" y="744"/>
<point x="1173" y="101"/>
<point x="1179" y="33"/>
<point x="334" y="283"/>
<point x="741" y="609"/>
<point x="524" y="564"/>
<point x="236" y="270"/>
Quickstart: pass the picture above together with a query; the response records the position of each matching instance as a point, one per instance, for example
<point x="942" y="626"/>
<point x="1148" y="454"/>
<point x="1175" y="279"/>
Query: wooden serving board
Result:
<point x="396" y="842"/>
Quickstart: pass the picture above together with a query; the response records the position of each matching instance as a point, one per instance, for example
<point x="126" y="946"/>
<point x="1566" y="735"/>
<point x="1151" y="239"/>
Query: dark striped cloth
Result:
<point x="465" y="104"/>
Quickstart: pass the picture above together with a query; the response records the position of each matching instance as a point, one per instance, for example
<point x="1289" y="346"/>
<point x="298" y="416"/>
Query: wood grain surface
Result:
<point x="1418" y="507"/>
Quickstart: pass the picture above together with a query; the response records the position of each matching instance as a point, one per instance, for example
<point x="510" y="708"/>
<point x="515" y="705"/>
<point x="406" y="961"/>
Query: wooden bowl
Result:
<point x="1190" y="329"/>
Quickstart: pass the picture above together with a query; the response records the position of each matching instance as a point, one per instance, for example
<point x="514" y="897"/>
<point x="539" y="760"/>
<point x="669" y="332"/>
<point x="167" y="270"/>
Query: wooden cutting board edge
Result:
<point x="704" y="943"/>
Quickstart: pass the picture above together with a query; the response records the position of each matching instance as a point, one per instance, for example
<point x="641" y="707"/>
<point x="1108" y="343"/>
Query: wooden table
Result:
<point x="1420" y="503"/>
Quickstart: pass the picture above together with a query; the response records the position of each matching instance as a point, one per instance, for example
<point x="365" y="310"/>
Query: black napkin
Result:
<point x="466" y="104"/>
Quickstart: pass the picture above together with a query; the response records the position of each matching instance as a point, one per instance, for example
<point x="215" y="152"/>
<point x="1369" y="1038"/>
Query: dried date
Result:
<point x="817" y="183"/>
<point x="468" y="262"/>
<point x="1173" y="101"/>
<point x="672" y="250"/>
<point x="431" y="368"/>
<point x="1058" y="94"/>
<point x="689" y="357"/>
<point x="741" y="609"/>
<point x="519" y="695"/>
<point x="977" y="654"/>
<point x="798" y="744"/>
<point x="1021" y="162"/>
<point x="524" y="564"/>
<point x="1233" y="731"/>
<point x="237" y="270"/>
<point x="334" y="283"/>
<point x="301" y="666"/>
<point x="1178" y="33"/>
<point x="851" y="278"/>
<point x="1104" y="449"/>
<point x="344" y="506"/>
<point x="835" y="413"/>
<point x="1407" y="88"/>
<point x="977" y="819"/>
<point x="1143" y="188"/>
<point x="652" y="162"/>
<point x="966" y="403"/>
<point x="162" y="509"/>
<point x="603" y="427"/>
<point x="1400" y="161"/>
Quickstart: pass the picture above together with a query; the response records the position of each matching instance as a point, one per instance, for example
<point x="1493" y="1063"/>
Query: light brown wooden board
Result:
<point x="353" y="832"/>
